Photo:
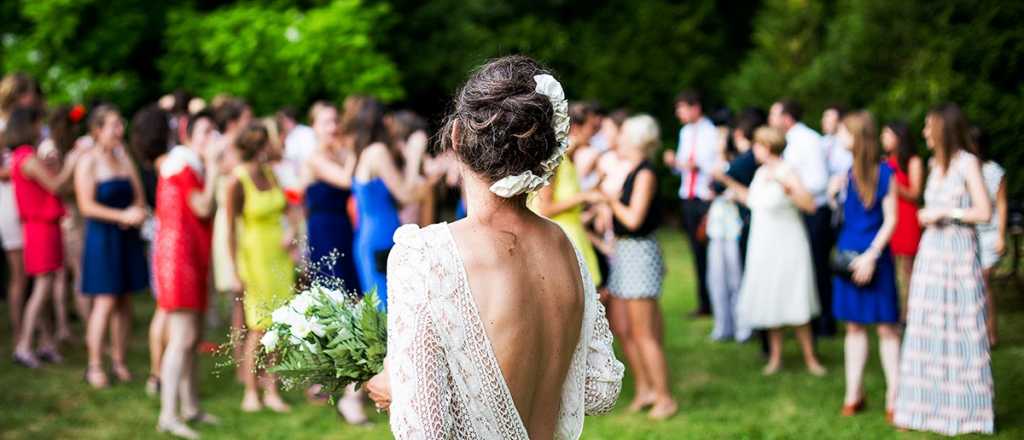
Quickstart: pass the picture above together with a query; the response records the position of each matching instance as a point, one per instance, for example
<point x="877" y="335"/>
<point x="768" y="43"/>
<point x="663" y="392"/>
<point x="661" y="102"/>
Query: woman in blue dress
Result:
<point x="384" y="178"/>
<point x="114" y="264"/>
<point x="867" y="294"/>
<point x="330" y="234"/>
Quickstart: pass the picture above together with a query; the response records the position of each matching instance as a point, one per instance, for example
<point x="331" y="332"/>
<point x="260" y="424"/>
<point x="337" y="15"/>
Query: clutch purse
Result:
<point x="840" y="263"/>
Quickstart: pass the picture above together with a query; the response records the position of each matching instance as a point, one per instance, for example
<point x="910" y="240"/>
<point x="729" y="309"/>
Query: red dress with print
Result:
<point x="181" y="256"/>
<point x="40" y="212"/>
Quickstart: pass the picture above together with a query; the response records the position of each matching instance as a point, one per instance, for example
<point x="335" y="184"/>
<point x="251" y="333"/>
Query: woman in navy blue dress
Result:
<point x="114" y="264"/>
<point x="869" y="294"/>
<point x="329" y="170"/>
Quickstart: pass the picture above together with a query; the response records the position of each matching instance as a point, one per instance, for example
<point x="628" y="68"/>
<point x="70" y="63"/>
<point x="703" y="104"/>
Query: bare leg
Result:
<point x="120" y="330"/>
<point x="990" y="309"/>
<point x="889" y="351"/>
<point x="643" y="319"/>
<point x="906" y="270"/>
<point x="181" y="340"/>
<point x="36" y="305"/>
<point x="157" y="340"/>
<point x="238" y="333"/>
<point x="251" y="399"/>
<point x="82" y="302"/>
<point x="189" y="390"/>
<point x="803" y="335"/>
<point x="774" y="351"/>
<point x="99" y="318"/>
<point x="618" y="314"/>
<point x="856" y="355"/>
<point x="60" y="306"/>
<point x="15" y="291"/>
<point x="272" y="398"/>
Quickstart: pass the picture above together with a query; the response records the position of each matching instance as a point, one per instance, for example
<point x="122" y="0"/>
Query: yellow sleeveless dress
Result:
<point x="566" y="184"/>
<point x="264" y="265"/>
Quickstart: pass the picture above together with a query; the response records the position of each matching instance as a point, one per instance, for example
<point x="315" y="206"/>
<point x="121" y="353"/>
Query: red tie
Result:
<point x="693" y="174"/>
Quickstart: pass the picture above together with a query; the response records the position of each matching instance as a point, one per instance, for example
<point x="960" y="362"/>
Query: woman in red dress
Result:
<point x="35" y="191"/>
<point x="899" y="147"/>
<point x="181" y="260"/>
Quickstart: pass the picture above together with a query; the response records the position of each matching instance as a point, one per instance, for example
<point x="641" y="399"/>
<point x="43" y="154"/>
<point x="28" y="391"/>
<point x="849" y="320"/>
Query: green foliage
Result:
<point x="277" y="57"/>
<point x="83" y="50"/>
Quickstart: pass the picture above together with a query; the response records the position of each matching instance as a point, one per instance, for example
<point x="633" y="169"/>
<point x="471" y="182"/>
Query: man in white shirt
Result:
<point x="837" y="157"/>
<point x="805" y="154"/>
<point x="694" y="159"/>
<point x="299" y="144"/>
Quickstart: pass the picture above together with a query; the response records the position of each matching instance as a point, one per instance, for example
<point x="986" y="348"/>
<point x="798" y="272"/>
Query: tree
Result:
<point x="276" y="57"/>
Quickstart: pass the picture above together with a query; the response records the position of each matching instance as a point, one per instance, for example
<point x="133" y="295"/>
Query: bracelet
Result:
<point x="956" y="214"/>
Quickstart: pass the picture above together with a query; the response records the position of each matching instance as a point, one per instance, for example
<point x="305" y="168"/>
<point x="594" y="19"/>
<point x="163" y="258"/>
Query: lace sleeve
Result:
<point x="417" y="370"/>
<point x="604" y="371"/>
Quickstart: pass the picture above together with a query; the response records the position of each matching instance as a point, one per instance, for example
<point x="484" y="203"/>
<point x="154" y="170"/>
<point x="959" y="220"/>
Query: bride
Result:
<point x="494" y="327"/>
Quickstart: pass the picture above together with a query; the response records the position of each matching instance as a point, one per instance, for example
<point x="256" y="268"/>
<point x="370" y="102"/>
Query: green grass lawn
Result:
<point x="719" y="388"/>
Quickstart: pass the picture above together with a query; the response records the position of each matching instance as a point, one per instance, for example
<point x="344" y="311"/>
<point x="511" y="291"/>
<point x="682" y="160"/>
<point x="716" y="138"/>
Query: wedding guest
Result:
<point x="64" y="128"/>
<point x="562" y="201"/>
<point x="587" y="154"/>
<point x="534" y="355"/>
<point x="805" y="156"/>
<point x="16" y="90"/>
<point x="329" y="169"/>
<point x="694" y="160"/>
<point x="402" y="126"/>
<point x="150" y="132"/>
<point x="300" y="140"/>
<point x="181" y="262"/>
<point x="991" y="234"/>
<point x="381" y="182"/>
<point x="909" y="170"/>
<point x="723" y="229"/>
<point x="231" y="118"/>
<point x="866" y="294"/>
<point x="945" y="383"/>
<point x="114" y="265"/>
<point x="837" y="157"/>
<point x="637" y="271"/>
<point x="778" y="287"/>
<point x="36" y="186"/>
<point x="255" y="212"/>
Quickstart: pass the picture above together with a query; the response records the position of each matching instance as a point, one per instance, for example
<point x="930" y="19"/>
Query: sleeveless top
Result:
<point x="908" y="231"/>
<point x="861" y="223"/>
<point x="650" y="221"/>
<point x="35" y="203"/>
<point x="445" y="378"/>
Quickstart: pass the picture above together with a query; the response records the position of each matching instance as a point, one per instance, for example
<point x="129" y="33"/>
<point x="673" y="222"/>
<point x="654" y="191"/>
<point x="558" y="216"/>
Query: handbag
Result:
<point x="840" y="261"/>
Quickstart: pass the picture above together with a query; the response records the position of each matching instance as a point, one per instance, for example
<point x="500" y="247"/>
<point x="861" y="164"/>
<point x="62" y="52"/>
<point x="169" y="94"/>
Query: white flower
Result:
<point x="269" y="340"/>
<point x="285" y="315"/>
<point x="302" y="303"/>
<point x="335" y="295"/>
<point x="304" y="327"/>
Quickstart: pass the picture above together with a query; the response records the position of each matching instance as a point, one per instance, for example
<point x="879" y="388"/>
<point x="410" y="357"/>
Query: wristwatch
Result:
<point x="956" y="214"/>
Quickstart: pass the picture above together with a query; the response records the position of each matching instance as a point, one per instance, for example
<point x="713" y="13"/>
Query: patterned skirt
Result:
<point x="637" y="269"/>
<point x="945" y="382"/>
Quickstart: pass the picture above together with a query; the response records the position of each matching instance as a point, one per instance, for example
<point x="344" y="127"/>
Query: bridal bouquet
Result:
<point x="324" y="336"/>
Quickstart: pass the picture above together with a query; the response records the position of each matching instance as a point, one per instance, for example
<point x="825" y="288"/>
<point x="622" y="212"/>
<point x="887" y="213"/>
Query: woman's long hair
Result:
<point x="362" y="121"/>
<point x="905" y="148"/>
<point x="866" y="154"/>
<point x="950" y="133"/>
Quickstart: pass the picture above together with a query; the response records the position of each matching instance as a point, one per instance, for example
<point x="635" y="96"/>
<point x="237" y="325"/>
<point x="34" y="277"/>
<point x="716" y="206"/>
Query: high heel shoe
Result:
<point x="177" y="429"/>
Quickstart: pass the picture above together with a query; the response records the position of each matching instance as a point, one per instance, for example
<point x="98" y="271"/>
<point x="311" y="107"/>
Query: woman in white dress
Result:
<point x="991" y="234"/>
<point x="778" y="287"/>
<point x="495" y="330"/>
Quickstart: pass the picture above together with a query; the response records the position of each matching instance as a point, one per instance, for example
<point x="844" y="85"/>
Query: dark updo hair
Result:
<point x="504" y="125"/>
<point x="252" y="141"/>
<point x="362" y="120"/>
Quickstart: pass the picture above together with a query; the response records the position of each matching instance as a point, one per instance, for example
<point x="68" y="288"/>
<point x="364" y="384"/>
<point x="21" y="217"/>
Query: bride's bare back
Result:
<point x="526" y="284"/>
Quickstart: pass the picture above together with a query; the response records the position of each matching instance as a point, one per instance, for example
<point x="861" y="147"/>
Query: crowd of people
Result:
<point x="789" y="228"/>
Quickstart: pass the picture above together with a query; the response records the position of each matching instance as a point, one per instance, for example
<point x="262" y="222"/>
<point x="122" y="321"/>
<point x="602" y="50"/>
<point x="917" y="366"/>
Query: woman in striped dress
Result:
<point x="945" y="382"/>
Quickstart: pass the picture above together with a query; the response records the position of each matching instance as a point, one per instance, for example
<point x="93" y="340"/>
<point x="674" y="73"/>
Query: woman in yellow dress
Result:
<point x="562" y="201"/>
<point x="259" y="251"/>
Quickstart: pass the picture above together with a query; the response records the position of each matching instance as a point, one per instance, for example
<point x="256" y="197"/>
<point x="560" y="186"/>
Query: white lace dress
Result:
<point x="445" y="379"/>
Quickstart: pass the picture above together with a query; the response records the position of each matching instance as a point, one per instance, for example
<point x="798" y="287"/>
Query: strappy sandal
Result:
<point x="50" y="356"/>
<point x="204" y="418"/>
<point x="176" y="428"/>
<point x="152" y="386"/>
<point x="91" y="372"/>
<point x="122" y="374"/>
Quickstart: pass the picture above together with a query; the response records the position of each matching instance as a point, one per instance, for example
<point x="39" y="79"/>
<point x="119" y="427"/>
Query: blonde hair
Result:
<point x="771" y="138"/>
<point x="866" y="154"/>
<point x="11" y="88"/>
<point x="642" y="130"/>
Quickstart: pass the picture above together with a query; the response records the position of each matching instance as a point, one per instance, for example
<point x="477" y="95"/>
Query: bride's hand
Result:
<point x="379" y="389"/>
